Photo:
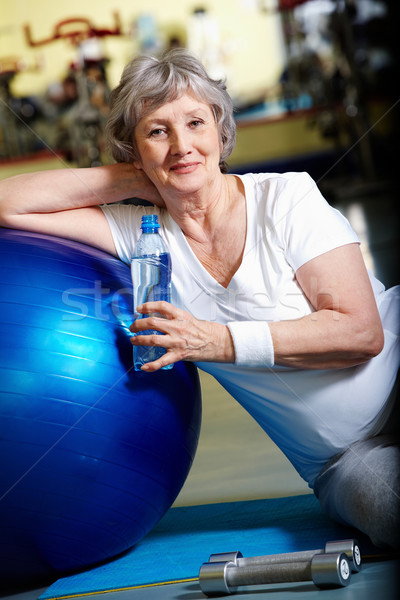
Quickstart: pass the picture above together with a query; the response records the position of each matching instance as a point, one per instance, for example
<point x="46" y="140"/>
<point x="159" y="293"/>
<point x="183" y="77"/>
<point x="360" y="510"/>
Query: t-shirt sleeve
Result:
<point x="124" y="221"/>
<point x="306" y="224"/>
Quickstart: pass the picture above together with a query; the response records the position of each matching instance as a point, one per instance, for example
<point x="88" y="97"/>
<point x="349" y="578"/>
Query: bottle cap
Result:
<point x="150" y="222"/>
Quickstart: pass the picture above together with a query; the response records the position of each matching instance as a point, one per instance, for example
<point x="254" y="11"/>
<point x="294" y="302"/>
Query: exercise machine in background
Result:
<point x="342" y="53"/>
<point x="17" y="114"/>
<point x="85" y="89"/>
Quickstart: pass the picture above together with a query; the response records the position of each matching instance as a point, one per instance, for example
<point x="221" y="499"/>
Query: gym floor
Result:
<point x="235" y="459"/>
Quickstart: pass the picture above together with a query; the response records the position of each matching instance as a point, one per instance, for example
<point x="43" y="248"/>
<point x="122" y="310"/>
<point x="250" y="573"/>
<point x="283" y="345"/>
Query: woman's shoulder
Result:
<point x="277" y="192"/>
<point x="133" y="209"/>
<point x="282" y="180"/>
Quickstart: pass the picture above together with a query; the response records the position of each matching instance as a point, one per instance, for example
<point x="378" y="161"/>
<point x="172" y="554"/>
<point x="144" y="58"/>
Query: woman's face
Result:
<point x="179" y="146"/>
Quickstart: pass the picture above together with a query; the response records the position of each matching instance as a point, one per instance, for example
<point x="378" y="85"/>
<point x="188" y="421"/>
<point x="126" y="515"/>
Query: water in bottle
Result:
<point x="151" y="278"/>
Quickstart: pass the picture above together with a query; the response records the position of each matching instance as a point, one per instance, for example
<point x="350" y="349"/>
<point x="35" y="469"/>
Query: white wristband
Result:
<point x="253" y="343"/>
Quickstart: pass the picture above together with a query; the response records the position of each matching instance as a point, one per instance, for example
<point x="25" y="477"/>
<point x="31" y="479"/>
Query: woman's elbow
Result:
<point x="4" y="212"/>
<point x="377" y="342"/>
<point x="372" y="340"/>
<point x="4" y="221"/>
<point x="7" y="221"/>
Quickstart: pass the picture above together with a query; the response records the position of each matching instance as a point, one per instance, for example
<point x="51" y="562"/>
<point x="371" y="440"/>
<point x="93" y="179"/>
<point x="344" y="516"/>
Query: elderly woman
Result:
<point x="270" y="293"/>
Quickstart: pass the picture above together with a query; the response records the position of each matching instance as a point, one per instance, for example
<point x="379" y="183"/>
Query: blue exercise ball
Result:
<point x="92" y="453"/>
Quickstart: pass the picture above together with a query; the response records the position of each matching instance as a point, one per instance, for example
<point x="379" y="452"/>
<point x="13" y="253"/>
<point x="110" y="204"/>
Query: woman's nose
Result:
<point x="180" y="143"/>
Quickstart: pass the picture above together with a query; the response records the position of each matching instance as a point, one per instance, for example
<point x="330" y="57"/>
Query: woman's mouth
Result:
<point x="184" y="167"/>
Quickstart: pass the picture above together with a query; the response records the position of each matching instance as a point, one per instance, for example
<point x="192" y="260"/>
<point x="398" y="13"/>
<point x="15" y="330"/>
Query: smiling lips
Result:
<point x="184" y="167"/>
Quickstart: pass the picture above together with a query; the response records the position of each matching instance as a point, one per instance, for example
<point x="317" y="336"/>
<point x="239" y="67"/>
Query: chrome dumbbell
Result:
<point x="349" y="547"/>
<point x="325" y="570"/>
<point x="326" y="567"/>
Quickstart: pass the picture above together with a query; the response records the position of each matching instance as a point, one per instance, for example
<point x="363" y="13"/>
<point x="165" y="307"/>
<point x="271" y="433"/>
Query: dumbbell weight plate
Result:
<point x="350" y="548"/>
<point x="212" y="579"/>
<point x="225" y="556"/>
<point x="331" y="570"/>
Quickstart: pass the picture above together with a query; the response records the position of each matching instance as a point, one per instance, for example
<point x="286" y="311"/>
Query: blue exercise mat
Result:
<point x="176" y="548"/>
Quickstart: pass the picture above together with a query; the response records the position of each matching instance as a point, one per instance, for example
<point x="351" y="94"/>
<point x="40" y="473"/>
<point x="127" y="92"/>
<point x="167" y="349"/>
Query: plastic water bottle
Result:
<point x="151" y="278"/>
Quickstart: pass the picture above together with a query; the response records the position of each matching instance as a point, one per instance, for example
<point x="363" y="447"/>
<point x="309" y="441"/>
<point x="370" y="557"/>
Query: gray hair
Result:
<point x="147" y="83"/>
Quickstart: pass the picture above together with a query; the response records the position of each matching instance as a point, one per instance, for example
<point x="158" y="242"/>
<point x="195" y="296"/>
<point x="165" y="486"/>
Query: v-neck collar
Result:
<point x="202" y="276"/>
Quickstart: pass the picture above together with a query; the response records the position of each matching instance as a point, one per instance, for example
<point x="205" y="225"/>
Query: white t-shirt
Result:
<point x="310" y="414"/>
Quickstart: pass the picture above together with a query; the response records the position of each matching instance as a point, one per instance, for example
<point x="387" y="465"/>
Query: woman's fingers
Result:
<point x="183" y="336"/>
<point x="162" y="308"/>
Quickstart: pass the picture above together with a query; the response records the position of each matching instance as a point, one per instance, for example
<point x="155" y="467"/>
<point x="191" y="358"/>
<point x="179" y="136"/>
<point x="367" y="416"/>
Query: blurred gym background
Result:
<point x="310" y="78"/>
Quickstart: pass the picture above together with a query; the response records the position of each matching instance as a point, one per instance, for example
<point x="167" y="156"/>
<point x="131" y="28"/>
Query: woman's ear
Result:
<point x="137" y="164"/>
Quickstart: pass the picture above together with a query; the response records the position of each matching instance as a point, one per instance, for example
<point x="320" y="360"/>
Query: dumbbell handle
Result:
<point x="262" y="574"/>
<point x="276" y="559"/>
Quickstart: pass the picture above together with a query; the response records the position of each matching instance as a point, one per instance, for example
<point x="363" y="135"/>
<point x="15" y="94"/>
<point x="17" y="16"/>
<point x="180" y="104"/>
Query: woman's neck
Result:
<point x="199" y="214"/>
<point x="215" y="229"/>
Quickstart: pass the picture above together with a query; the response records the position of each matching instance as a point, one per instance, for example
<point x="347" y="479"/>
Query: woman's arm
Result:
<point x="65" y="202"/>
<point x="345" y="329"/>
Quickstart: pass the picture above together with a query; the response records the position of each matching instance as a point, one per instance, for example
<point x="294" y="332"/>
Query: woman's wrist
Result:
<point x="253" y="343"/>
<point x="226" y="345"/>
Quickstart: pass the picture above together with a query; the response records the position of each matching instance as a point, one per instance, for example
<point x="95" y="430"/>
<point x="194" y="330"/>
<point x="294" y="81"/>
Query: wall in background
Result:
<point x="249" y="41"/>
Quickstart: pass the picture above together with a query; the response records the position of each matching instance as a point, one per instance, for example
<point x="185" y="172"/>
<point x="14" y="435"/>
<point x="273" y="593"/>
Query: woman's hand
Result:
<point x="147" y="189"/>
<point x="185" y="338"/>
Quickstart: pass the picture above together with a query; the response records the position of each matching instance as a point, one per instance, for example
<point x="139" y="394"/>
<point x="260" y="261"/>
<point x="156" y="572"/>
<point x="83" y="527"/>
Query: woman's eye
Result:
<point x="196" y="122"/>
<point x="156" y="132"/>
